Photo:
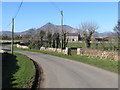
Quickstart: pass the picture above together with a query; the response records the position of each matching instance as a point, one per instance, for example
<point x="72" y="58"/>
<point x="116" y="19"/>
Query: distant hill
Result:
<point x="57" y="28"/>
<point x="53" y="28"/>
<point x="27" y="31"/>
<point x="5" y="32"/>
<point x="104" y="34"/>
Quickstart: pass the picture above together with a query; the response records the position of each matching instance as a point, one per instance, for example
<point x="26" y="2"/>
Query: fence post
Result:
<point x="79" y="51"/>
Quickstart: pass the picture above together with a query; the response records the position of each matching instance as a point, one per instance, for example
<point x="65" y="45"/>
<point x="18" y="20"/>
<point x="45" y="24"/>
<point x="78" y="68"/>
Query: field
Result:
<point x="107" y="64"/>
<point x="18" y="71"/>
<point x="76" y="44"/>
<point x="101" y="46"/>
<point x="93" y="45"/>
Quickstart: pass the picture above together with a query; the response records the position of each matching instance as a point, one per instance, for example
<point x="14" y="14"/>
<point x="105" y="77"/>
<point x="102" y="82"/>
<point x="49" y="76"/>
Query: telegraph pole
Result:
<point x="12" y="40"/>
<point x="62" y="29"/>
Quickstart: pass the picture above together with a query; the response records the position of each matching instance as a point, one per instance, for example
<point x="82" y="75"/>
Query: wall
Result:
<point x="58" y="50"/>
<point x="21" y="46"/>
<point x="70" y="38"/>
<point x="94" y="52"/>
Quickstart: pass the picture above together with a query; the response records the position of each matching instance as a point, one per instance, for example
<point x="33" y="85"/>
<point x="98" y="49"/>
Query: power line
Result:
<point x="8" y="25"/>
<point x="55" y="6"/>
<point x="18" y="9"/>
<point x="15" y="14"/>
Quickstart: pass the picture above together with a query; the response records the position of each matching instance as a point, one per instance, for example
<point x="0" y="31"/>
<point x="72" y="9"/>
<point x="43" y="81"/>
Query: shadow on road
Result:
<point x="6" y="49"/>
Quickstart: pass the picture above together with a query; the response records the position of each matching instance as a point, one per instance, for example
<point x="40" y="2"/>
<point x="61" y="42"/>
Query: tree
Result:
<point x="49" y="38"/>
<point x="42" y="35"/>
<point x="29" y="36"/>
<point x="88" y="30"/>
<point x="65" y="40"/>
<point x="53" y="40"/>
<point x="57" y="40"/>
<point x="117" y="30"/>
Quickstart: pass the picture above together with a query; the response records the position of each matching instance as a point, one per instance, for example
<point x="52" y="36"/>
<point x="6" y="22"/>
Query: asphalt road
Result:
<point x="64" y="73"/>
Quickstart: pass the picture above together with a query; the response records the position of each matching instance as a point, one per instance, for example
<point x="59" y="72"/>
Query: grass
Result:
<point x="10" y="40"/>
<point x="93" y="45"/>
<point x="107" y="64"/>
<point x="18" y="71"/>
<point x="4" y="44"/>
<point x="76" y="44"/>
<point x="74" y="52"/>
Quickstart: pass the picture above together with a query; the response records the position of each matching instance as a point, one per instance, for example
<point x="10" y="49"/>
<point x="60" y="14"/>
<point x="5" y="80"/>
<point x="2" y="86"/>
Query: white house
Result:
<point x="73" y="37"/>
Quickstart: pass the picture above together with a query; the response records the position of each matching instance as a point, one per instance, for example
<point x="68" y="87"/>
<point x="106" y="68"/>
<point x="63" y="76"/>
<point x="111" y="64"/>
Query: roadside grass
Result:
<point x="107" y="64"/>
<point x="18" y="71"/>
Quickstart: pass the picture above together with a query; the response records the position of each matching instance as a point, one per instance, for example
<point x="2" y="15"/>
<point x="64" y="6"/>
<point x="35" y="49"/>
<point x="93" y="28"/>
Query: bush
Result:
<point x="34" y="46"/>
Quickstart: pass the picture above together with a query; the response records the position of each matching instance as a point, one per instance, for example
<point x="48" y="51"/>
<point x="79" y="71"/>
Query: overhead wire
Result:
<point x="15" y="14"/>
<point x="8" y="25"/>
<point x="55" y="6"/>
<point x="18" y="9"/>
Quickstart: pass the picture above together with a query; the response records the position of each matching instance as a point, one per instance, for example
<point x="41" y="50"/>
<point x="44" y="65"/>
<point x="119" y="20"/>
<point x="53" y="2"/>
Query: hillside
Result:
<point x="52" y="28"/>
<point x="47" y="27"/>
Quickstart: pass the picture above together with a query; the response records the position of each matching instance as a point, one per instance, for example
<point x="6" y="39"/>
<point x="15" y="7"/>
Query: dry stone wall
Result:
<point x="58" y="50"/>
<point x="98" y="53"/>
<point x="21" y="46"/>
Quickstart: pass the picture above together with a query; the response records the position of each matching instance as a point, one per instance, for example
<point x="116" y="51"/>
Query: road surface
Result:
<point x="64" y="73"/>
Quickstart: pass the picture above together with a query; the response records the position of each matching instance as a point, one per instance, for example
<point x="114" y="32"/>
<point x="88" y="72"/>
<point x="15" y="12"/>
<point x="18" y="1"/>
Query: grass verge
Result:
<point x="18" y="71"/>
<point x="104" y="63"/>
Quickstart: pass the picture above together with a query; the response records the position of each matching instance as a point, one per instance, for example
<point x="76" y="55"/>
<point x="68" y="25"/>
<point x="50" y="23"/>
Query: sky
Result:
<point x="37" y="14"/>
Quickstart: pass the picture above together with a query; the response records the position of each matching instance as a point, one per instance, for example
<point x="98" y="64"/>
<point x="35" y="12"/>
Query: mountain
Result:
<point x="27" y="31"/>
<point x="53" y="28"/>
<point x="56" y="28"/>
<point x="5" y="32"/>
<point x="17" y="33"/>
<point x="47" y="27"/>
<point x="104" y="34"/>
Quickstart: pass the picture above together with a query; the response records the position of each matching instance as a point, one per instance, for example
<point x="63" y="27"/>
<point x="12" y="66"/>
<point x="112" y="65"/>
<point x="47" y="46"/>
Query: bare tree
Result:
<point x="53" y="40"/>
<point x="42" y="35"/>
<point x="49" y="38"/>
<point x="57" y="40"/>
<point x="29" y="36"/>
<point x="64" y="39"/>
<point x="88" y="30"/>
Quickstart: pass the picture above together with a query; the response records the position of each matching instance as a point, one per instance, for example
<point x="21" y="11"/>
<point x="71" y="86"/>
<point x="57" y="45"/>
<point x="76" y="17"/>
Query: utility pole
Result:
<point x="12" y="40"/>
<point x="62" y="29"/>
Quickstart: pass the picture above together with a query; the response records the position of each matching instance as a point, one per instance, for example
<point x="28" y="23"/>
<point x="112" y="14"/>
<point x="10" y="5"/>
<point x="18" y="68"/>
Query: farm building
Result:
<point x="73" y="37"/>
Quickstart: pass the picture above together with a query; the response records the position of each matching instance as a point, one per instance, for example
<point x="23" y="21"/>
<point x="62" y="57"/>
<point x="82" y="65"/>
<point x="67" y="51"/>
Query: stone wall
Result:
<point x="22" y="46"/>
<point x="98" y="53"/>
<point x="2" y="51"/>
<point x="66" y="51"/>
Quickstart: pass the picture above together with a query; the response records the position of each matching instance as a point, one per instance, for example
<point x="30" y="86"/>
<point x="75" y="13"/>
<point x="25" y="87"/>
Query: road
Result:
<point x="64" y="73"/>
